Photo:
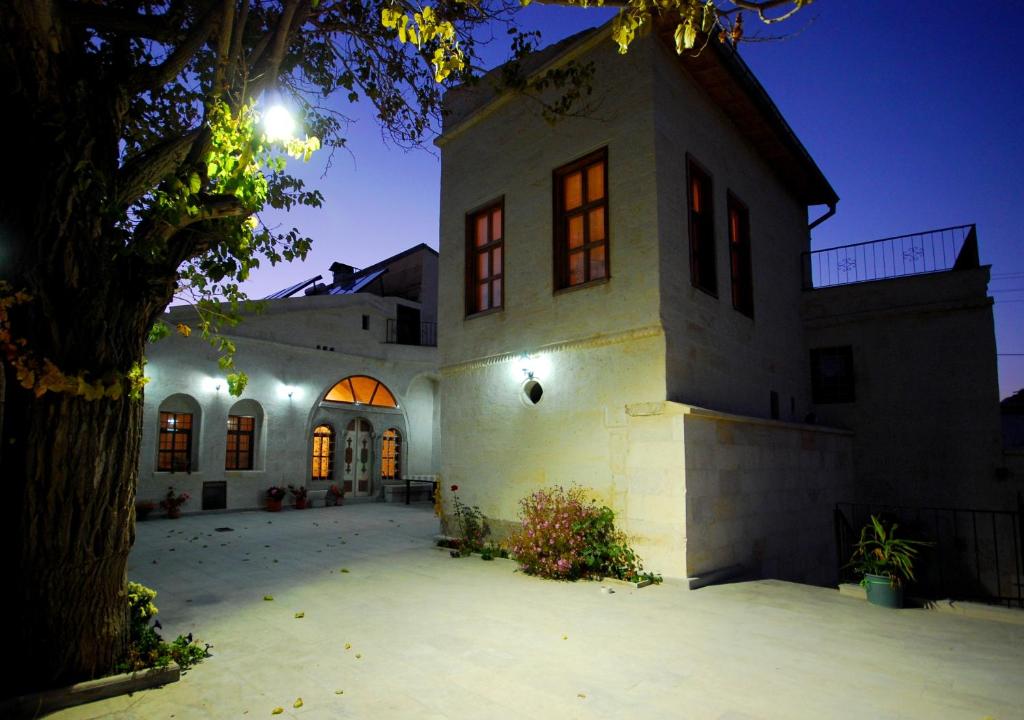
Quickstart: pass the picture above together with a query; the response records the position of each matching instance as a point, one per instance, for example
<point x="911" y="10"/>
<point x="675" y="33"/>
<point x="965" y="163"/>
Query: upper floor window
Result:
<point x="175" y="442"/>
<point x="485" y="235"/>
<point x="739" y="257"/>
<point x="701" y="228"/>
<point x="832" y="374"/>
<point x="241" y="441"/>
<point x="581" y="221"/>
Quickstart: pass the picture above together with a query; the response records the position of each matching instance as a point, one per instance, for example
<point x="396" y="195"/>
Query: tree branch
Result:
<point x="105" y="18"/>
<point x="144" y="171"/>
<point x="156" y="76"/>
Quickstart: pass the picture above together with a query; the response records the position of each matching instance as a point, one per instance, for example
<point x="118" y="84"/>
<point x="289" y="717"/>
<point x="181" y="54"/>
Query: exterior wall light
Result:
<point x="212" y="384"/>
<point x="531" y="367"/>
<point x="289" y="391"/>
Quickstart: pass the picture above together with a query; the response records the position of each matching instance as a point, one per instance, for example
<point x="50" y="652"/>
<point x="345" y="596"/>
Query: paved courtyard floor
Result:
<point x="409" y="632"/>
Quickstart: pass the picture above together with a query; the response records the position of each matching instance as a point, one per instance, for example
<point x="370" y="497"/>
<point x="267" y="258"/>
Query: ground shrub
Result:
<point x="146" y="648"/>
<point x="567" y="536"/>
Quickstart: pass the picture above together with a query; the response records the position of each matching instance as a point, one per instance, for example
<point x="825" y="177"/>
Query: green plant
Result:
<point x="567" y="536"/>
<point x="146" y="648"/>
<point x="276" y="493"/>
<point x="880" y="552"/>
<point x="472" y="525"/>
<point x="172" y="501"/>
<point x="299" y="492"/>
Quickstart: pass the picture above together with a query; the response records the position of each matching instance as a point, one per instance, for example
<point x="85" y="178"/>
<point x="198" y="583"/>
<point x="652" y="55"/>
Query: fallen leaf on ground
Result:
<point x="358" y="655"/>
<point x="277" y="711"/>
<point x="268" y="598"/>
<point x="348" y="646"/>
<point x="300" y="615"/>
<point x="344" y="570"/>
<point x="565" y="637"/>
<point x="581" y="695"/>
<point x="297" y="703"/>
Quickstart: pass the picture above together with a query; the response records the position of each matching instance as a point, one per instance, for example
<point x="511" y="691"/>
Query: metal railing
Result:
<point x="424" y="333"/>
<point x="975" y="555"/>
<point x="925" y="252"/>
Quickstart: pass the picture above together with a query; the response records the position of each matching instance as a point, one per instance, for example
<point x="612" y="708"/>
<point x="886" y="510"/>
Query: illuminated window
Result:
<point x="702" y="229"/>
<point x="581" y="221"/>
<point x="175" y="442"/>
<point x="485" y="244"/>
<point x="391" y="455"/>
<point x="363" y="390"/>
<point x="241" y="440"/>
<point x="323" y="452"/>
<point x="739" y="257"/>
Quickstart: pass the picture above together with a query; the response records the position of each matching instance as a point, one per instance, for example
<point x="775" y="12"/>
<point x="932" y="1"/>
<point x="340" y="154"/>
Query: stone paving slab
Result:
<point x="439" y="638"/>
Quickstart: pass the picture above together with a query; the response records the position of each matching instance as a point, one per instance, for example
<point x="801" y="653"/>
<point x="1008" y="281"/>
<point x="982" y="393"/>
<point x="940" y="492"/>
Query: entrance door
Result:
<point x="358" y="468"/>
<point x="408" y="325"/>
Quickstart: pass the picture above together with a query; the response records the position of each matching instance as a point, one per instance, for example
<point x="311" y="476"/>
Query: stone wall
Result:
<point x="761" y="494"/>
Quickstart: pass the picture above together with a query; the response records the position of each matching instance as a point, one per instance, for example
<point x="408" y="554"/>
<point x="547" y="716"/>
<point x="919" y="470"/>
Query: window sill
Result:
<point x="709" y="293"/>
<point x="482" y="313"/>
<point x="581" y="286"/>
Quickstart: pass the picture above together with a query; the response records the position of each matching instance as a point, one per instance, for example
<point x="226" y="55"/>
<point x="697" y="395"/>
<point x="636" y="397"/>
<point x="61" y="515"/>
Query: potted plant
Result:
<point x="172" y="503"/>
<point x="885" y="561"/>
<point x="301" y="496"/>
<point x="143" y="508"/>
<point x="335" y="495"/>
<point x="275" y="495"/>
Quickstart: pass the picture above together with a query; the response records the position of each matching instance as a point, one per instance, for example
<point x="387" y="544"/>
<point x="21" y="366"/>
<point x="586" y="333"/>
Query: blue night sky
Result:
<point x="914" y="116"/>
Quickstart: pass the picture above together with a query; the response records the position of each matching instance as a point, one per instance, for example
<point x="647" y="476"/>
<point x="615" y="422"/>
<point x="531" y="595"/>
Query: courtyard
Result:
<point x="392" y="627"/>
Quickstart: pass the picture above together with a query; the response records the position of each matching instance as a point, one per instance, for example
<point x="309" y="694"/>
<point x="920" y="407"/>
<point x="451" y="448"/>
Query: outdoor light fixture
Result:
<point x="212" y="384"/>
<point x="530" y="367"/>
<point x="289" y="391"/>
<point x="278" y="124"/>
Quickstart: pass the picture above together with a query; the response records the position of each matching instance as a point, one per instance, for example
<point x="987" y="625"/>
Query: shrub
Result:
<point x="567" y="536"/>
<point x="472" y="525"/>
<point x="146" y="648"/>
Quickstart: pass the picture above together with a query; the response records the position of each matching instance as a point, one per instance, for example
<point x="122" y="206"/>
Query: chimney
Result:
<point x="342" y="273"/>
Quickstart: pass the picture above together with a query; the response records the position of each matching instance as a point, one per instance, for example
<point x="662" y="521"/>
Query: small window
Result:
<point x="832" y="375"/>
<point x="323" y="452"/>
<point x="701" y="228"/>
<point x="241" y="441"/>
<point x="175" y="442"/>
<point x="773" y="404"/>
<point x="739" y="257"/>
<point x="485" y="264"/>
<point x="581" y="221"/>
<point x="366" y="323"/>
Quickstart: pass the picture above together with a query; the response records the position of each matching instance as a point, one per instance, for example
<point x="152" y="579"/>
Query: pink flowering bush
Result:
<point x="566" y="536"/>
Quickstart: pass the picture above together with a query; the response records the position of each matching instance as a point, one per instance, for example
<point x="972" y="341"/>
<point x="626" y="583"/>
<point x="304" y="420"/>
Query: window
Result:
<point x="366" y="322"/>
<point x="241" y="441"/>
<point x="832" y="375"/>
<point x="323" y="452"/>
<point x="485" y="245"/>
<point x="581" y="221"/>
<point x="362" y="390"/>
<point x="701" y="228"/>
<point x="739" y="257"/>
<point x="175" y="442"/>
<point x="391" y="455"/>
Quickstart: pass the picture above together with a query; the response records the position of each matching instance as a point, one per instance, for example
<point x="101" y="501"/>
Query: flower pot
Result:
<point x="273" y="505"/>
<point x="301" y="503"/>
<point x="881" y="592"/>
<point x="174" y="512"/>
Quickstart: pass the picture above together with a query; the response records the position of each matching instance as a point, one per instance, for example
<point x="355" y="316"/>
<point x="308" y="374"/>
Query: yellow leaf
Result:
<point x="339" y="692"/>
<point x="348" y="646"/>
<point x="297" y="703"/>
<point x="300" y="615"/>
<point x="277" y="711"/>
<point x="184" y="330"/>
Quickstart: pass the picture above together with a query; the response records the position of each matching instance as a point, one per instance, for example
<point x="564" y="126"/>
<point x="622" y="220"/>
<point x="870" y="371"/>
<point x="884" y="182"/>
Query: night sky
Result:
<point x="914" y="112"/>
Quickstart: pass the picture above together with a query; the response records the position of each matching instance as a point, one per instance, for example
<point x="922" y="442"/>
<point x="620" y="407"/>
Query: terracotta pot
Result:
<point x="273" y="505"/>
<point x="301" y="503"/>
<point x="174" y="512"/>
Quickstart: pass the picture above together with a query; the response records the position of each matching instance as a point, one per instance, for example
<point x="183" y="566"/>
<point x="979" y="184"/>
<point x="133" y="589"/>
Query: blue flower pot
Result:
<point x="881" y="592"/>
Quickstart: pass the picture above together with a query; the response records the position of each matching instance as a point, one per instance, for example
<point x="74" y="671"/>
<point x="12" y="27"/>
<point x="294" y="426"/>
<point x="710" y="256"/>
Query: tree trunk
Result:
<point x="69" y="467"/>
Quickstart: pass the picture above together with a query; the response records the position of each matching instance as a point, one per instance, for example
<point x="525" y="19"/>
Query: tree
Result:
<point x="136" y="170"/>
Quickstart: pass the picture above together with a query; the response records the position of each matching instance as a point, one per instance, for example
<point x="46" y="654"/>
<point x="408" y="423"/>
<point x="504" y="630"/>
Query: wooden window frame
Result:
<point x="331" y="441"/>
<point x="701" y="231"/>
<point x="473" y="281"/>
<point x="561" y="217"/>
<point x="173" y="433"/>
<point x="238" y="452"/>
<point x="833" y="393"/>
<point x="740" y="263"/>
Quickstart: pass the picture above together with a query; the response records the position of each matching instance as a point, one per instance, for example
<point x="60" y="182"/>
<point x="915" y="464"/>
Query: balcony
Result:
<point x="423" y="334"/>
<point x="933" y="251"/>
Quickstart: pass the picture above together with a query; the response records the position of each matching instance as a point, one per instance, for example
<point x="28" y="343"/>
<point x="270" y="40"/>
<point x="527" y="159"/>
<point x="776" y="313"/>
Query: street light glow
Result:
<point x="279" y="124"/>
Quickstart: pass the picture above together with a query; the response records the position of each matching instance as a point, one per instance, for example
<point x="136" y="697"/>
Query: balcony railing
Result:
<point x="933" y="251"/>
<point x="423" y="334"/>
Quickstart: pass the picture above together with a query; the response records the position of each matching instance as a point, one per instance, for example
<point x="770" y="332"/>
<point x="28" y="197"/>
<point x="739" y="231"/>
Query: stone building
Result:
<point x="623" y="306"/>
<point x="342" y="389"/>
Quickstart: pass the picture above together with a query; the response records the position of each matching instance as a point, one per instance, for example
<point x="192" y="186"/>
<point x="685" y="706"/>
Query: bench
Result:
<point x="412" y="488"/>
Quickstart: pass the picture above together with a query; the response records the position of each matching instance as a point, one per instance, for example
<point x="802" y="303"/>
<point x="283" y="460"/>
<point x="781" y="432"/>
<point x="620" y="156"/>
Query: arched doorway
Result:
<point x="391" y="455"/>
<point x="357" y="466"/>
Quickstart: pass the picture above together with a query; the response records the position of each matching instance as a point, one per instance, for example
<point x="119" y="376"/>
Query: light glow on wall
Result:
<point x="536" y="366"/>
<point x="214" y="384"/>
<point x="289" y="392"/>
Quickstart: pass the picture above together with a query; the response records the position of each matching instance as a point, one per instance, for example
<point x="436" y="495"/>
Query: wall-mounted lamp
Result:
<point x="212" y="384"/>
<point x="289" y="391"/>
<point x="531" y="367"/>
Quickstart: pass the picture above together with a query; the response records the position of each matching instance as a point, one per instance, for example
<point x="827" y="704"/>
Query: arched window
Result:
<point x="362" y="390"/>
<point x="323" y="452"/>
<point x="178" y="429"/>
<point x="391" y="454"/>
<point x="245" y="419"/>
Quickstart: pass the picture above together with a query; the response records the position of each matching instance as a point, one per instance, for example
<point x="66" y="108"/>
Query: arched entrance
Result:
<point x="357" y="457"/>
